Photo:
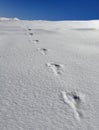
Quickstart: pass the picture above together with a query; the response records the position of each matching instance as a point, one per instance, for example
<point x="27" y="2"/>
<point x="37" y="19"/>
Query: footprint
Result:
<point x="75" y="101"/>
<point x="29" y="29"/>
<point x="56" y="68"/>
<point x="36" y="41"/>
<point x="31" y="34"/>
<point x="44" y="51"/>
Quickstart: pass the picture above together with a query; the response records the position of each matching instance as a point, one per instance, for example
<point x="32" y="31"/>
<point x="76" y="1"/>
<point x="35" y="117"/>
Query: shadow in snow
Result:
<point x="84" y="29"/>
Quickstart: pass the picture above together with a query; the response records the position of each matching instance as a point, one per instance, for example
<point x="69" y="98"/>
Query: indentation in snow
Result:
<point x="44" y="51"/>
<point x="31" y="34"/>
<point x="56" y="68"/>
<point x="74" y="100"/>
<point x="29" y="29"/>
<point x="36" y="41"/>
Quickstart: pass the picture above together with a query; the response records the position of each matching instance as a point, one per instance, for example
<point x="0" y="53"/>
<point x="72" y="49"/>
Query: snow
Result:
<point x="49" y="75"/>
<point x="8" y="19"/>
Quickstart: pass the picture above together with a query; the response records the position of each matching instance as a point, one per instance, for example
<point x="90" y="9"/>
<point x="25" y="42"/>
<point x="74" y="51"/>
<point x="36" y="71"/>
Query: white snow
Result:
<point x="49" y="75"/>
<point x="8" y="19"/>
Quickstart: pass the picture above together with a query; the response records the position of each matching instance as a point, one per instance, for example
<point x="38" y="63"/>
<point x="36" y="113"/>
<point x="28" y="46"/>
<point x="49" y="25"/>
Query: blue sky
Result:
<point x="50" y="9"/>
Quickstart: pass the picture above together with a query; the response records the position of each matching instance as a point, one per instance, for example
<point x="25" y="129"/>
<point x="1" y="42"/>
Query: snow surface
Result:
<point x="49" y="75"/>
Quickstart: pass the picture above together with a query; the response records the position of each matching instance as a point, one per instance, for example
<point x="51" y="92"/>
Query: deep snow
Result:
<point x="49" y="75"/>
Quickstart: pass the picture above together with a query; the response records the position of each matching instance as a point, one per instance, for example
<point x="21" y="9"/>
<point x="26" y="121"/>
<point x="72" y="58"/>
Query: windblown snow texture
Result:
<point x="49" y="75"/>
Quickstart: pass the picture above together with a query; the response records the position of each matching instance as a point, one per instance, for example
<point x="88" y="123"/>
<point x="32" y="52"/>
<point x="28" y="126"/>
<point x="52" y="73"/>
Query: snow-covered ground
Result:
<point x="49" y="75"/>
